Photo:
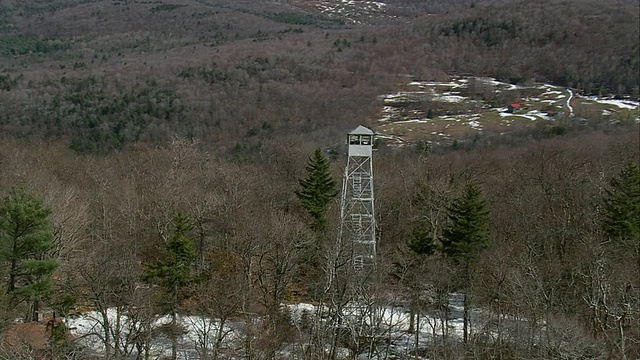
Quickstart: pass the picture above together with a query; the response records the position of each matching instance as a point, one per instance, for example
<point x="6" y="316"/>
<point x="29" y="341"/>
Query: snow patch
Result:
<point x="539" y="114"/>
<point x="451" y="84"/>
<point x="449" y="98"/>
<point x="497" y="83"/>
<point x="419" y="121"/>
<point x="475" y="125"/>
<point x="623" y="104"/>
<point x="506" y="114"/>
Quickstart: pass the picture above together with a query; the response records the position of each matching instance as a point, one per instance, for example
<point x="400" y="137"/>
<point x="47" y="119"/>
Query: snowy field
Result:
<point x="350" y="11"/>
<point x="429" y="110"/>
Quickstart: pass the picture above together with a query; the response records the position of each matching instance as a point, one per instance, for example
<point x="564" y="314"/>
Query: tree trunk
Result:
<point x="334" y="339"/>
<point x="499" y="326"/>
<point x="174" y="323"/>
<point x="107" y="338"/>
<point x="412" y="314"/>
<point x="116" y="333"/>
<point x="623" y="350"/>
<point x="417" y="338"/>
<point x="12" y="274"/>
<point x="219" y="337"/>
<point x="465" y="320"/>
<point x="35" y="310"/>
<point x="248" y="343"/>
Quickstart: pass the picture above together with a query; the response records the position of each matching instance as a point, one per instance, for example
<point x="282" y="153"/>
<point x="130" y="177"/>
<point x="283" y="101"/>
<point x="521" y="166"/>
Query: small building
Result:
<point x="513" y="107"/>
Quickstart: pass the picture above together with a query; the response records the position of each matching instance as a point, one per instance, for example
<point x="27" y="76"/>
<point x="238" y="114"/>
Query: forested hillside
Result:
<point x="100" y="75"/>
<point x="151" y="157"/>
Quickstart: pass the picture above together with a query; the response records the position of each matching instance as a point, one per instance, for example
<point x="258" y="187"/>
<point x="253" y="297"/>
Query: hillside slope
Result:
<point x="103" y="74"/>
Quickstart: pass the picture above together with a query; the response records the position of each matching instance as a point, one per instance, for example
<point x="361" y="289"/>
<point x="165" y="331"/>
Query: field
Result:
<point x="464" y="108"/>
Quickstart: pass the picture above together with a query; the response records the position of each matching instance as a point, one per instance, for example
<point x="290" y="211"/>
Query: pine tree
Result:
<point x="422" y="243"/>
<point x="318" y="189"/>
<point x="178" y="256"/>
<point x="622" y="205"/>
<point x="467" y="232"/>
<point x="173" y="271"/>
<point x="25" y="239"/>
<point x="466" y="235"/>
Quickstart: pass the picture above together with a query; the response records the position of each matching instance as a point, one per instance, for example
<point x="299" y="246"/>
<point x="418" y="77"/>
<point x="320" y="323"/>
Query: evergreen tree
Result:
<point x="422" y="243"/>
<point x="318" y="189"/>
<point x="25" y="239"/>
<point x="467" y="232"/>
<point x="178" y="255"/>
<point x="173" y="270"/>
<point x="466" y="235"/>
<point x="622" y="205"/>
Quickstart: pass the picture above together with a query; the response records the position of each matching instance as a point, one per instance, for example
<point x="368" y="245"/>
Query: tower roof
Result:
<point x="361" y="130"/>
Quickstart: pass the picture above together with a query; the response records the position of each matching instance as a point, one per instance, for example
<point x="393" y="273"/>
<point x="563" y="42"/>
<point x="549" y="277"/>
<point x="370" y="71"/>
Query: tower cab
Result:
<point x="360" y="141"/>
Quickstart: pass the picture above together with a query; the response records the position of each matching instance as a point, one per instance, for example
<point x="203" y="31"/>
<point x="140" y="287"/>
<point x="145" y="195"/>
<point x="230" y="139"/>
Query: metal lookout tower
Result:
<point x="358" y="230"/>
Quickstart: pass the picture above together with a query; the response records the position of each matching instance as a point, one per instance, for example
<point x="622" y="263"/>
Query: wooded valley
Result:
<point x="152" y="153"/>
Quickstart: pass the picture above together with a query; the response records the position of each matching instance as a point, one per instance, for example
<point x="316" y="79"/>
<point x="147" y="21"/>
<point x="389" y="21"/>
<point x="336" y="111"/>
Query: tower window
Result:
<point x="365" y="140"/>
<point x="354" y="140"/>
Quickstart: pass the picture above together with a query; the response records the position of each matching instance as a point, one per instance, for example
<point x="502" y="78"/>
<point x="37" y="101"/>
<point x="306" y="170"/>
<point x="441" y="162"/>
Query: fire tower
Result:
<point x="358" y="227"/>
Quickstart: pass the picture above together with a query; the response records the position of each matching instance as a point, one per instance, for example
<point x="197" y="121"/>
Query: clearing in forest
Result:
<point x="466" y="107"/>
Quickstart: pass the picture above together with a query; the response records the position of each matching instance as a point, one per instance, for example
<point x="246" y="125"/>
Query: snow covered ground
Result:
<point x="88" y="330"/>
<point x="393" y="322"/>
<point x="352" y="11"/>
